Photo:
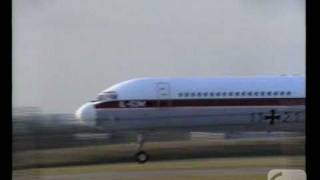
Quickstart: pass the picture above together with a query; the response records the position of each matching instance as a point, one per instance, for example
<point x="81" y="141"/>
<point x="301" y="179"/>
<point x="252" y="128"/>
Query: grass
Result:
<point x="196" y="164"/>
<point x="159" y="151"/>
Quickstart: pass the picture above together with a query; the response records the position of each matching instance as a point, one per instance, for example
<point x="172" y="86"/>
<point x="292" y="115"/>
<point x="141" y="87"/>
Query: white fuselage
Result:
<point x="219" y="104"/>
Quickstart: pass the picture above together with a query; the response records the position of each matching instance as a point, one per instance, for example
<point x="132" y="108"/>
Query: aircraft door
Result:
<point x="163" y="94"/>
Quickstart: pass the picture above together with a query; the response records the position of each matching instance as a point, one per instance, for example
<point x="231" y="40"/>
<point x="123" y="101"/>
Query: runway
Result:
<point x="214" y="168"/>
<point x="159" y="174"/>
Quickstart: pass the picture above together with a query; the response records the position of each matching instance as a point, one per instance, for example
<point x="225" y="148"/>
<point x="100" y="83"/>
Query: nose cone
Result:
<point x="87" y="114"/>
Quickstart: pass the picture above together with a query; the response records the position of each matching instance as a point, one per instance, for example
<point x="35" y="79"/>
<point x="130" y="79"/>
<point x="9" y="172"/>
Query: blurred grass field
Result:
<point x="195" y="164"/>
<point x="241" y="168"/>
<point x="159" y="151"/>
<point x="223" y="159"/>
<point x="54" y="148"/>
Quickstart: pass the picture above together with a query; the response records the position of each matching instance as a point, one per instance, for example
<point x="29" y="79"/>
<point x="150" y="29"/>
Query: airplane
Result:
<point x="217" y="104"/>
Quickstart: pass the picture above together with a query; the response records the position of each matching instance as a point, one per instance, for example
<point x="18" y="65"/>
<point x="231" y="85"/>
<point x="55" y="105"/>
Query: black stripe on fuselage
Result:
<point x="139" y="103"/>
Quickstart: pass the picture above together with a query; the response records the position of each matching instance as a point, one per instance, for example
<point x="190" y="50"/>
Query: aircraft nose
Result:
<point x="86" y="114"/>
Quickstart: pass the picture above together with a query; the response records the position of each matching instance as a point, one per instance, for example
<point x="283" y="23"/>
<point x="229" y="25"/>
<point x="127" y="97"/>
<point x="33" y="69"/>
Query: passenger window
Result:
<point x="249" y="93"/>
<point x="269" y="93"/>
<point x="256" y="93"/>
<point x="212" y="94"/>
<point x="275" y="93"/>
<point x="237" y="93"/>
<point x="282" y="93"/>
<point x="224" y="94"/>
<point x="243" y="93"/>
<point x="193" y="94"/>
<point x="288" y="93"/>
<point x="199" y="94"/>
<point x="230" y="93"/>
<point x="218" y="94"/>
<point x="205" y="94"/>
<point x="261" y="93"/>
<point x="186" y="94"/>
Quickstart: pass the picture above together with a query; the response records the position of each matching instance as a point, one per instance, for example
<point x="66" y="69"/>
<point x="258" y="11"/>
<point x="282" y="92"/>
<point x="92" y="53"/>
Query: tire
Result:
<point x="141" y="157"/>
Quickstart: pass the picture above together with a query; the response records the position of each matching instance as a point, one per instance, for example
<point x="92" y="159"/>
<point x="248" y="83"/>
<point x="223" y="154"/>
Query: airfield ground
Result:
<point x="245" y="168"/>
<point x="159" y="151"/>
<point x="57" y="149"/>
<point x="194" y="159"/>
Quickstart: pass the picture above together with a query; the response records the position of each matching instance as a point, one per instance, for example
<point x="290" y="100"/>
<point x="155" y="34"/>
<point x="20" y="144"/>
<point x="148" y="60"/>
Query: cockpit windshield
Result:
<point x="105" y="96"/>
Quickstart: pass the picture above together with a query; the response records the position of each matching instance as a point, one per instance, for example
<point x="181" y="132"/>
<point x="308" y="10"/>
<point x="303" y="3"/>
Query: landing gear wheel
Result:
<point x="141" y="157"/>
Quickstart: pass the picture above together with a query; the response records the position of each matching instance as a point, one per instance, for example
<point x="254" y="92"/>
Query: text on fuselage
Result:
<point x="132" y="104"/>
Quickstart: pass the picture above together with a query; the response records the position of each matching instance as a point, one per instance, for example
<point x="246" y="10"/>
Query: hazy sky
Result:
<point x="66" y="51"/>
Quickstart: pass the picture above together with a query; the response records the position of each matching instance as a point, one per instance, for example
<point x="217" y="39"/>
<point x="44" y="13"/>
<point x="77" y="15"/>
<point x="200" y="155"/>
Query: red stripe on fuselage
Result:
<point x="201" y="103"/>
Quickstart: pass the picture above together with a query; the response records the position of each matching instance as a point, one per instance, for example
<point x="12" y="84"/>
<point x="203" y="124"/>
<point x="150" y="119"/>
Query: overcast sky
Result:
<point x="66" y="51"/>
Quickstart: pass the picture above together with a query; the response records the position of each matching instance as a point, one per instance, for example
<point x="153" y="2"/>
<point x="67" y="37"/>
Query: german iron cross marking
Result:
<point x="272" y="117"/>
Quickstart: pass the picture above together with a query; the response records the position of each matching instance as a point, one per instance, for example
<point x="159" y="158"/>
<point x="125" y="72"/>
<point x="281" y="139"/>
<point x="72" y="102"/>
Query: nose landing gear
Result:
<point x="141" y="156"/>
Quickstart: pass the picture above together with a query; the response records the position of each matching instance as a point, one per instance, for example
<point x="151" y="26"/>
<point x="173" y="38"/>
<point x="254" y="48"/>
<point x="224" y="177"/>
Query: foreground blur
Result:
<point x="49" y="141"/>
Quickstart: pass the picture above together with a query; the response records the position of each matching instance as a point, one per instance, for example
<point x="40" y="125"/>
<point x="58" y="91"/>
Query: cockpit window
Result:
<point x="105" y="96"/>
